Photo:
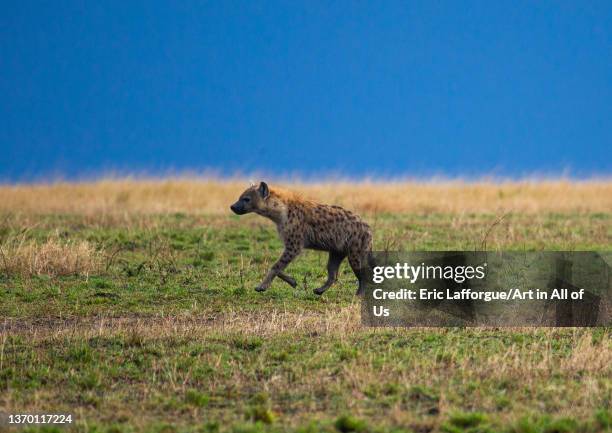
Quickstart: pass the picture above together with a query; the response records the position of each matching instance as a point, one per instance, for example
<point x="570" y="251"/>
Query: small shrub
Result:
<point x="604" y="419"/>
<point x="261" y="414"/>
<point x="257" y="427"/>
<point x="261" y="398"/>
<point x="196" y="398"/>
<point x="210" y="427"/>
<point x="466" y="420"/>
<point x="348" y="424"/>
<point x="563" y="425"/>
<point x="422" y="394"/>
<point x="247" y="343"/>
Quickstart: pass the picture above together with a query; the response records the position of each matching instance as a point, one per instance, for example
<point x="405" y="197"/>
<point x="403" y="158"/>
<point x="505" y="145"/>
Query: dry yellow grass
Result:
<point x="127" y="196"/>
<point x="53" y="257"/>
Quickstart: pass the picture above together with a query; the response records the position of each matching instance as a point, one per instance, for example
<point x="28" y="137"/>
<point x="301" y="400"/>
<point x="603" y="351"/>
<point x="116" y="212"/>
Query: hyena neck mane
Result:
<point x="278" y="203"/>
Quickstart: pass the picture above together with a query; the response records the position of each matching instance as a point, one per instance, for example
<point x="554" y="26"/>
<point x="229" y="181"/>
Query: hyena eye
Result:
<point x="246" y="199"/>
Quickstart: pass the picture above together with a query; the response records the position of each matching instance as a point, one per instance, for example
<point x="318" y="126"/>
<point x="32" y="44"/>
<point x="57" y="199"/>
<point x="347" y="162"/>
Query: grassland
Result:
<point x="130" y="304"/>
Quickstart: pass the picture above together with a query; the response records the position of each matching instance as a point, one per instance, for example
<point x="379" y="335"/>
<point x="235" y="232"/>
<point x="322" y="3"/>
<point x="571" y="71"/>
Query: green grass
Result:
<point x="169" y="335"/>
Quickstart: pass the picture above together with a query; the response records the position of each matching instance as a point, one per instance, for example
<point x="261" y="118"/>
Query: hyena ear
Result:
<point x="263" y="190"/>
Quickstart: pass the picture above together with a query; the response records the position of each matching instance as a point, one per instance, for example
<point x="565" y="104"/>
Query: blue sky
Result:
<point x="394" y="89"/>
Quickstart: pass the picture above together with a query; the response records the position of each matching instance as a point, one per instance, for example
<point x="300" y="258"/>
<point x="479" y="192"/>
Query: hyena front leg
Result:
<point x="333" y="264"/>
<point x="288" y="255"/>
<point x="287" y="279"/>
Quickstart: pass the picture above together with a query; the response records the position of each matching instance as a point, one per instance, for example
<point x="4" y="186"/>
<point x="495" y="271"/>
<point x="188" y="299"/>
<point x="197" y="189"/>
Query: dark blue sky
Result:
<point x="355" y="88"/>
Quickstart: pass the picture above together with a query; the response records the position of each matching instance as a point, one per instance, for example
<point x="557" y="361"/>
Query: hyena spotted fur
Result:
<point x="306" y="224"/>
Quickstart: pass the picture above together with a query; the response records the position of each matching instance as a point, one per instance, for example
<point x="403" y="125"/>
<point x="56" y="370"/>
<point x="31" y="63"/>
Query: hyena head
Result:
<point x="252" y="200"/>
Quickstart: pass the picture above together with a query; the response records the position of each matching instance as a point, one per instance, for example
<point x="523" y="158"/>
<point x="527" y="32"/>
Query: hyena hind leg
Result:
<point x="358" y="262"/>
<point x="333" y="264"/>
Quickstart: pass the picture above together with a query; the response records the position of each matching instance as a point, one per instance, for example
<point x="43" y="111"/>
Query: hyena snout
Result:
<point x="238" y="208"/>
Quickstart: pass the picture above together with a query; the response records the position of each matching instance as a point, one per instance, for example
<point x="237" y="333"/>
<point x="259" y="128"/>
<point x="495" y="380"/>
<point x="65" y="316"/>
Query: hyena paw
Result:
<point x="261" y="288"/>
<point x="320" y="290"/>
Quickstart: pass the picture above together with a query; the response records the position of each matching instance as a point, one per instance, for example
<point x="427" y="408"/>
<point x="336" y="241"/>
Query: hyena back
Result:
<point x="305" y="224"/>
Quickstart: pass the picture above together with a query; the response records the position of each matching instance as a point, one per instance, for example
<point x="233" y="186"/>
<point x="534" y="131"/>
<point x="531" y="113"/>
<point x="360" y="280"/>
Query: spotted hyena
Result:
<point x="305" y="224"/>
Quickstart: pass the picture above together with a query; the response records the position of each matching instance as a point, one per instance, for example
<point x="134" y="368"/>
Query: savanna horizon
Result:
<point x="213" y="196"/>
